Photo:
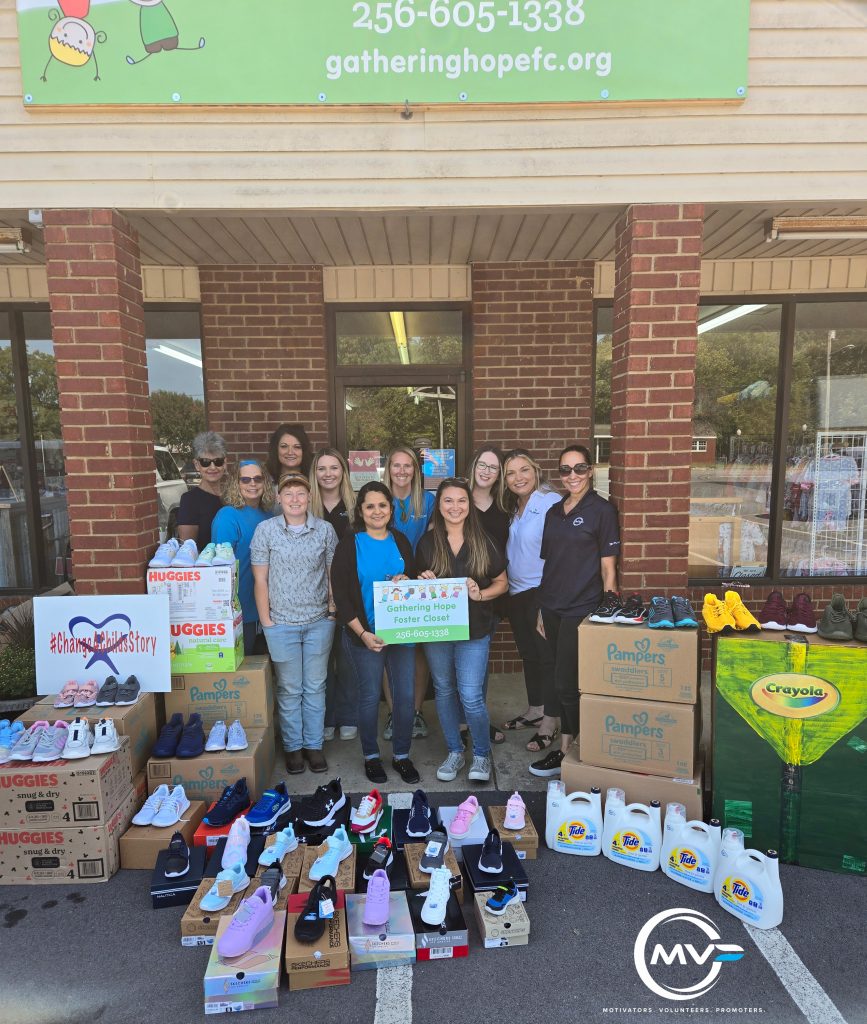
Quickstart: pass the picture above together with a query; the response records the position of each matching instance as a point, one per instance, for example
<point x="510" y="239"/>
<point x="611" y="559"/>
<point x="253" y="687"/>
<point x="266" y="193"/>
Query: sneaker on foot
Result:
<point x="105" y="738"/>
<point x="374" y="771"/>
<point x="419" y="726"/>
<point x="418" y="824"/>
<point x="467" y="813"/>
<point x="348" y="732"/>
<point x="377" y="900"/>
<point x="491" y="857"/>
<point x="774" y="613"/>
<point x="801" y="618"/>
<point x="172" y="808"/>
<point x="250" y="924"/>
<point x="745" y="621"/>
<point x="78" y="740"/>
<point x="633" y="612"/>
<point x="162" y="559"/>
<point x="548" y="767"/>
<point x="448" y="770"/>
<point x="388" y="731"/>
<point x="835" y="624"/>
<point x="684" y="616"/>
<point x="608" y="608"/>
<point x="186" y="555"/>
<point x="51" y="743"/>
<point x="328" y="733"/>
<point x="128" y="691"/>
<point x="717" y="617"/>
<point x="516" y="812"/>
<point x="660" y="615"/>
<point x="237" y="738"/>
<point x="406" y="770"/>
<point x="434" y="853"/>
<point x="235" y="850"/>
<point x="480" y="769"/>
<point x="433" y="912"/>
<point x="149" y="808"/>
<point x="216" y="737"/>
<point x="233" y="800"/>
<point x="178" y="860"/>
<point x="320" y="808"/>
<point x="107" y="695"/>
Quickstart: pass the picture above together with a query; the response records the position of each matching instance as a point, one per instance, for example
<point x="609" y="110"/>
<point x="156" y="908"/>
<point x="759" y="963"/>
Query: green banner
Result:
<point x="174" y="52"/>
<point x="421" y="611"/>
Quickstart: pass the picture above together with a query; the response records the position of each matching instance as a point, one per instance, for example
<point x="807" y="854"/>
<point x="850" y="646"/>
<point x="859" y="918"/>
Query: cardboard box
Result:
<point x="639" y="662"/>
<point x="388" y="945"/>
<point x="446" y="942"/>
<point x="345" y="877"/>
<point x="140" y="787"/>
<point x="419" y="879"/>
<point x="140" y="845"/>
<point x="205" y="777"/>
<point x="207" y="646"/>
<point x="49" y="855"/>
<point x="639" y="788"/>
<point x="478" y="832"/>
<point x="59" y="793"/>
<point x="208" y="835"/>
<point x="317" y="964"/>
<point x="640" y="735"/>
<point x="510" y="929"/>
<point x="249" y="981"/>
<point x="399" y="820"/>
<point x="138" y="721"/>
<point x="483" y="881"/>
<point x="176" y="892"/>
<point x="366" y="842"/>
<point x="199" y="927"/>
<point x="201" y="593"/>
<point x="246" y="694"/>
<point x="525" y="841"/>
<point x="789" y="744"/>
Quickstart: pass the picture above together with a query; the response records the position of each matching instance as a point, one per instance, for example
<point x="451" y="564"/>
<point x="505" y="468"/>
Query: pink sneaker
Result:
<point x="66" y="697"/>
<point x="468" y="811"/>
<point x="250" y="924"/>
<point x="515" y="811"/>
<point x="235" y="850"/>
<point x="377" y="901"/>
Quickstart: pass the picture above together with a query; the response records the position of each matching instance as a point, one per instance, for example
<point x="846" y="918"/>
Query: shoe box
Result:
<point x="365" y="842"/>
<point x="477" y="833"/>
<point x="139" y="721"/>
<point x="484" y="881"/>
<point x="246" y="693"/>
<point x="447" y="941"/>
<point x="199" y="927"/>
<point x="140" y="787"/>
<point x="374" y="946"/>
<point x="639" y="662"/>
<point x="204" y="777"/>
<point x="580" y="777"/>
<point x="789" y="741"/>
<point x="654" y="737"/>
<point x="322" y="963"/>
<point x="209" y="835"/>
<point x="509" y="929"/>
<point x="215" y="856"/>
<point x="398" y="874"/>
<point x="525" y="841"/>
<point x="140" y="845"/>
<point x="52" y="854"/>
<point x="399" y="821"/>
<point x="201" y="593"/>
<point x="250" y="981"/>
<point x="345" y="876"/>
<point x="419" y="879"/>
<point x="176" y="892"/>
<point x="83" y="792"/>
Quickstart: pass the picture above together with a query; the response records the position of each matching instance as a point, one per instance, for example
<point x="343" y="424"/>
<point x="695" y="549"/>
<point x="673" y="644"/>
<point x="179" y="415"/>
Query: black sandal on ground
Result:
<point x="495" y="734"/>
<point x="543" y="740"/>
<point x="519" y="722"/>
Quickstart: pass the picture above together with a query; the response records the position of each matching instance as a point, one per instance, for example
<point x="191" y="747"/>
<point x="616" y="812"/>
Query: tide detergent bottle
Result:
<point x="573" y="822"/>
<point x="637" y="839"/>
<point x="731" y="844"/>
<point x="750" y="888"/>
<point x="615" y="801"/>
<point x="692" y="857"/>
<point x="675" y="817"/>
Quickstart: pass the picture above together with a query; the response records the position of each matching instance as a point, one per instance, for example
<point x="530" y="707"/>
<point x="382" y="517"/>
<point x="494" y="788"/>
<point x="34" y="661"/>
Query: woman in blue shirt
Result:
<point x="249" y="498"/>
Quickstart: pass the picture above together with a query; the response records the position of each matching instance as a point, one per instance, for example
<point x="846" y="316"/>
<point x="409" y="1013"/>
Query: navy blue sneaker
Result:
<point x="501" y="897"/>
<point x="235" y="799"/>
<point x="684" y="616"/>
<point x="269" y="807"/>
<point x="192" y="741"/>
<point x="170" y="734"/>
<point x="660" y="615"/>
<point x="418" y="826"/>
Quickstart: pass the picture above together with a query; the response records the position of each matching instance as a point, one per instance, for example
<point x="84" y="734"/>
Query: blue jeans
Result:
<point x="366" y="666"/>
<point x="300" y="656"/>
<point x="341" y="700"/>
<point x="460" y="667"/>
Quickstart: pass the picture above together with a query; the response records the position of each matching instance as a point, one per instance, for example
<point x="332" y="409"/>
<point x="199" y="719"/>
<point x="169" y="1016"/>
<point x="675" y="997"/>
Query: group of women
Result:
<point x="310" y="551"/>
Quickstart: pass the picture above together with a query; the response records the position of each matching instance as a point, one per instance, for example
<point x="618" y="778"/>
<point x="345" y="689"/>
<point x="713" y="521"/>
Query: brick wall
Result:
<point x="263" y="338"/>
<point x="95" y="293"/>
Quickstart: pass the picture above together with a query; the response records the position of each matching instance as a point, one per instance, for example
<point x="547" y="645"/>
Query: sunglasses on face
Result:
<point x="251" y="479"/>
<point x="205" y="463"/>
<point x="579" y="469"/>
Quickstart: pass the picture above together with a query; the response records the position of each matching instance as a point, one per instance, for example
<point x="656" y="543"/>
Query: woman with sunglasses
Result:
<point x="201" y="503"/>
<point x="249" y="498"/>
<point x="580" y="545"/>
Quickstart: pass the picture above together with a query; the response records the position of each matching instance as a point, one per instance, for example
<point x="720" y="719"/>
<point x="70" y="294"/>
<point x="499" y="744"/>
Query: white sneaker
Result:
<point x="237" y="737"/>
<point x="348" y="732"/>
<point x="217" y="737"/>
<point x="206" y="556"/>
<point x="238" y="840"/>
<point x="225" y="554"/>
<point x="186" y="555"/>
<point x="164" y="554"/>
<point x="150" y="807"/>
<point x="78" y="740"/>
<point x="106" y="739"/>
<point x="328" y="733"/>
<point x="434" y="910"/>
<point x="172" y="808"/>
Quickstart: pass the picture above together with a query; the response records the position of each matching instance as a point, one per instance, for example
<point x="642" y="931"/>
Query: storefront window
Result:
<point x="380" y="418"/>
<point x="399" y="337"/>
<point x="602" y="399"/>
<point x="175" y="376"/>
<point x="14" y="563"/>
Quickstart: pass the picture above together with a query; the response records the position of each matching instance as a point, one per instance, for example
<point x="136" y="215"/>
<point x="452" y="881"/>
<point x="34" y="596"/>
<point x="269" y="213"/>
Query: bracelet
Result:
<point x="361" y="634"/>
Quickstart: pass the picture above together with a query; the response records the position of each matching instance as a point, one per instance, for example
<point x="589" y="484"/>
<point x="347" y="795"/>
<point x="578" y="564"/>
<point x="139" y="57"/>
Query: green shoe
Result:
<point x="836" y="623"/>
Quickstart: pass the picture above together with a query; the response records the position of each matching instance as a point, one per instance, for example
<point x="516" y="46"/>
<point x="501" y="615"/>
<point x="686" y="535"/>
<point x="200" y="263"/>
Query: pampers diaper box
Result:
<point x="246" y="694"/>
<point x="790" y="747"/>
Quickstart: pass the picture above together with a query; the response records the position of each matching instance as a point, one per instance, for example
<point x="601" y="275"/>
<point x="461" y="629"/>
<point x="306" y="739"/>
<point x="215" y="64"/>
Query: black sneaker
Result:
<point x="235" y="799"/>
<point x="107" y="693"/>
<point x="320" y="808"/>
<point x="170" y="734"/>
<point x="610" y="606"/>
<point x="406" y="770"/>
<point x="374" y="771"/>
<point x="548" y="767"/>
<point x="310" y="925"/>
<point x="128" y="691"/>
<point x="418" y="825"/>
<point x="382" y="857"/>
<point x="661" y="615"/>
<point x="434" y="853"/>
<point x="633" y="611"/>
<point x="491" y="858"/>
<point x="274" y="880"/>
<point x="178" y="860"/>
<point x="684" y="616"/>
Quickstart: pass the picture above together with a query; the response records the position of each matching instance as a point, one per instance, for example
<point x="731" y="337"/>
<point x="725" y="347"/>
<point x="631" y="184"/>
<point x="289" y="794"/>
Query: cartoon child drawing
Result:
<point x="72" y="41"/>
<point x="158" y="30"/>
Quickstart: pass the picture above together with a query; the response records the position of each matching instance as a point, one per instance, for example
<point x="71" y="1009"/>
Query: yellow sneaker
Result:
<point x="745" y="621"/>
<point x="717" y="617"/>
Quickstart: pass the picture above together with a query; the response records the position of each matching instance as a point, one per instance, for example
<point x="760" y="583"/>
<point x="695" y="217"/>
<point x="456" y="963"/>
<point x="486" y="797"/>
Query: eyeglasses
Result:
<point x="579" y="469"/>
<point x="205" y="463"/>
<point x="251" y="479"/>
<point x="486" y="467"/>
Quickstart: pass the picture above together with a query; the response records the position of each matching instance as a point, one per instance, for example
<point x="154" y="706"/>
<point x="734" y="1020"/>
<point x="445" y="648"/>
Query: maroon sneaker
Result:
<point x="801" y="617"/>
<point x="774" y="614"/>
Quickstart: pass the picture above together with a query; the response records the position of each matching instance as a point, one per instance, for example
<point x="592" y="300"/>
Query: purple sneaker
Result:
<point x="250" y="924"/>
<point x="51" y="742"/>
<point x="801" y="617"/>
<point x="377" y="901"/>
<point x="774" y="615"/>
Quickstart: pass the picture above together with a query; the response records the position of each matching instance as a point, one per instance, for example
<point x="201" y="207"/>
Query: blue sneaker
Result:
<point x="337" y="848"/>
<point x="235" y="799"/>
<point x="170" y="735"/>
<point x="269" y="806"/>
<point x="501" y="897"/>
<point x="192" y="741"/>
<point x="684" y="616"/>
<point x="660" y="615"/>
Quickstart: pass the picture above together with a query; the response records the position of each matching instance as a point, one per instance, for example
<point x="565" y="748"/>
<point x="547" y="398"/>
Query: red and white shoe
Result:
<point x="366" y="816"/>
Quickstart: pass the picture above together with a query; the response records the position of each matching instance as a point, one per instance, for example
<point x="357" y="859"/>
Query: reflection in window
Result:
<point x="408" y="337"/>
<point x="380" y="418"/>
<point x="177" y="391"/>
<point x="14" y="557"/>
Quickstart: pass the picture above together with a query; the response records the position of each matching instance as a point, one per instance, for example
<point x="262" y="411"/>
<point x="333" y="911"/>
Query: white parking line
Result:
<point x="809" y="996"/>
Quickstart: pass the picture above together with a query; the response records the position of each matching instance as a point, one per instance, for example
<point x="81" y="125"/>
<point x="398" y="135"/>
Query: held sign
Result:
<point x="421" y="611"/>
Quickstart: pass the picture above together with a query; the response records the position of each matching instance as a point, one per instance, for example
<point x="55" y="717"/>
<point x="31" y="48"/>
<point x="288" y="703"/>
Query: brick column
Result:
<point x="263" y="338"/>
<point x="95" y="292"/>
<point x="656" y="292"/>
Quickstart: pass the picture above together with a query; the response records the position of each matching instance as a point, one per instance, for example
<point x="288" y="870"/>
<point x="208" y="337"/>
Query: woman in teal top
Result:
<point x="249" y="499"/>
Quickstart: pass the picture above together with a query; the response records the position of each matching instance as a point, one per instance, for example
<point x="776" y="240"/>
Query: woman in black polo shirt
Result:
<point x="580" y="545"/>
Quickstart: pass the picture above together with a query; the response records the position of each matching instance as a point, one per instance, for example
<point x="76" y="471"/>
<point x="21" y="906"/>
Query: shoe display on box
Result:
<point x="835" y="624"/>
<point x="374" y="771"/>
<point x="128" y="691"/>
<point x="186" y="555"/>
<point x="172" y="808"/>
<point x="388" y="731"/>
<point x="207" y="555"/>
<point x="269" y="807"/>
<point x="501" y="897"/>
<point x="87" y="694"/>
<point x="285" y="841"/>
<point x="192" y="741"/>
<point x="859" y="629"/>
<point x="51" y="743"/>
<point x="348" y="732"/>
<point x="78" y="740"/>
<point x="250" y="924"/>
<point x="548" y="767"/>
<point x="683" y="614"/>
<point x="25" y="746"/>
<point x="419" y="727"/>
<point x="149" y="808"/>
<point x="234" y="800"/>
<point x="377" y="900"/>
<point x="608" y="608"/>
<point x="235" y="850"/>
<point x="164" y="554"/>
<point x="178" y="860"/>
<point x="418" y="825"/>
<point x="216" y="737"/>
<point x="717" y="617"/>
<point x="480" y="769"/>
<point x="633" y="612"/>
<point x="237" y="738"/>
<point x="745" y="621"/>
<point x="381" y="857"/>
<point x="320" y="808"/>
<point x="368" y="813"/>
<point x="406" y="770"/>
<point x="274" y="880"/>
<point x="660" y="615"/>
<point x="9" y="735"/>
<point x="434" y="853"/>
<point x="170" y="734"/>
<point x="236" y="877"/>
<point x="224" y="554"/>
<point x="107" y="695"/>
<point x="801" y="618"/>
<point x="516" y="813"/>
<point x="66" y="697"/>
<point x="337" y="848"/>
<point x="448" y="770"/>
<point x="467" y="813"/>
<point x="774" y="614"/>
<point x="437" y="897"/>
<point x="491" y="857"/>
<point x="105" y="737"/>
<point x="313" y="919"/>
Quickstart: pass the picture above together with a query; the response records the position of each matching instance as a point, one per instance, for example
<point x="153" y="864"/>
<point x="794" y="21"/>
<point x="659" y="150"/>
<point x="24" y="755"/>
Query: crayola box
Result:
<point x="790" y="747"/>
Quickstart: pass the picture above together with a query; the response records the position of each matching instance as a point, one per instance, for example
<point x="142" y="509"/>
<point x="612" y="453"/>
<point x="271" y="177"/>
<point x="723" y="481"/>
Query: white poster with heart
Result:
<point x="83" y="638"/>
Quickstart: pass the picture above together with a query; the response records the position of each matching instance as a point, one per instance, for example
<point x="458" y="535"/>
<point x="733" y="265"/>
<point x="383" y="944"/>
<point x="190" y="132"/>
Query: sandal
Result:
<point x="542" y="740"/>
<point x="496" y="735"/>
<point x="519" y="722"/>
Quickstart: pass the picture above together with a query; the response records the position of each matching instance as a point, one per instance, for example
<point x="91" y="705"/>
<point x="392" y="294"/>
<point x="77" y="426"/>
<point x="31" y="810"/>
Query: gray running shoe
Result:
<point x="388" y="731"/>
<point x="107" y="693"/>
<point x="448" y="770"/>
<point x="51" y="742"/>
<point x="419" y="727"/>
<point x="836" y="623"/>
<point x="434" y="853"/>
<point x="480" y="770"/>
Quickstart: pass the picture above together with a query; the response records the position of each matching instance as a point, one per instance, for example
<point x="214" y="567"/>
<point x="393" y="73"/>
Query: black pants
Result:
<point x="535" y="652"/>
<point x="561" y="632"/>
